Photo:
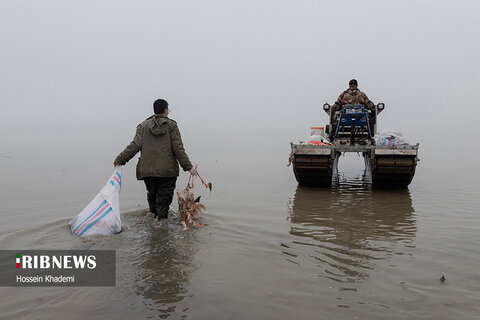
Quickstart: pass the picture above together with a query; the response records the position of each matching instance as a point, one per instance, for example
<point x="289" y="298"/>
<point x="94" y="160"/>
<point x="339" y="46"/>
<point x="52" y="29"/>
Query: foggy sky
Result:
<point x="77" y="75"/>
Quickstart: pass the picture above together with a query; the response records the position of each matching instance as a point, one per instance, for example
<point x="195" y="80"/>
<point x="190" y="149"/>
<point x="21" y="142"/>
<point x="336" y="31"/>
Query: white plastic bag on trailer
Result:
<point x="316" y="139"/>
<point x="102" y="214"/>
<point x="390" y="138"/>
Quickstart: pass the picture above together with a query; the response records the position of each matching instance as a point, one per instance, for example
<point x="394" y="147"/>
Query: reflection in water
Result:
<point x="165" y="266"/>
<point x="155" y="262"/>
<point x="347" y="228"/>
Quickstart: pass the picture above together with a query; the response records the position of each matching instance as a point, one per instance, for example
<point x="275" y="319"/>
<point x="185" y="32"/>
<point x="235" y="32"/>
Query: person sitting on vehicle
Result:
<point x="353" y="96"/>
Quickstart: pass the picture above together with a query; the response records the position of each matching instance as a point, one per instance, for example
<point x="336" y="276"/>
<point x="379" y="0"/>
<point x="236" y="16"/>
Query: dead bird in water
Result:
<point x="189" y="207"/>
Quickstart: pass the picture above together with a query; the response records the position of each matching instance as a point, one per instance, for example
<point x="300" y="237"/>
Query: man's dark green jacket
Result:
<point x="160" y="144"/>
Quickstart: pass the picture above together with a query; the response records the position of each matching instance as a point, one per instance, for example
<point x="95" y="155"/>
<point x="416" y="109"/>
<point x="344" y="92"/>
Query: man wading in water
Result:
<point x="159" y="141"/>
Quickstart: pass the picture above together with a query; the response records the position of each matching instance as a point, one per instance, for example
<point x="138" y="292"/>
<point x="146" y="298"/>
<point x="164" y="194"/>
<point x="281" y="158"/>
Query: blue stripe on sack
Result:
<point x="86" y="219"/>
<point x="94" y="222"/>
<point x="112" y="183"/>
<point x="119" y="178"/>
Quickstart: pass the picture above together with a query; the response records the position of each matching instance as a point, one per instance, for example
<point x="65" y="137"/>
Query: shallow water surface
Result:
<point x="269" y="249"/>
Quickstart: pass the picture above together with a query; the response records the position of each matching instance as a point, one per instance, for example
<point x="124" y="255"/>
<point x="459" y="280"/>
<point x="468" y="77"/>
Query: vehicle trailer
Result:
<point x="351" y="130"/>
<point x="314" y="165"/>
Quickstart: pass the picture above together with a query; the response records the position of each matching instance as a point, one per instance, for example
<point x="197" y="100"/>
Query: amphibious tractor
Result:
<point x="352" y="129"/>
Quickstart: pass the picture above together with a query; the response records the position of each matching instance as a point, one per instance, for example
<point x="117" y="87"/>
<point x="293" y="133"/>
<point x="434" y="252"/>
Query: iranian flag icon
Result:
<point x="18" y="260"/>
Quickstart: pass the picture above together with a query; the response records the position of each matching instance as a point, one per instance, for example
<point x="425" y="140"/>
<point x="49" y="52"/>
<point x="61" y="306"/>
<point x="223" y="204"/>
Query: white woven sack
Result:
<point x="102" y="214"/>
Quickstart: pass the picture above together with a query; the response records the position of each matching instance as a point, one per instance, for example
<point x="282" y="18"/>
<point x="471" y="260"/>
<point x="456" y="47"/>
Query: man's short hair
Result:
<point x="159" y="106"/>
<point x="353" y="82"/>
